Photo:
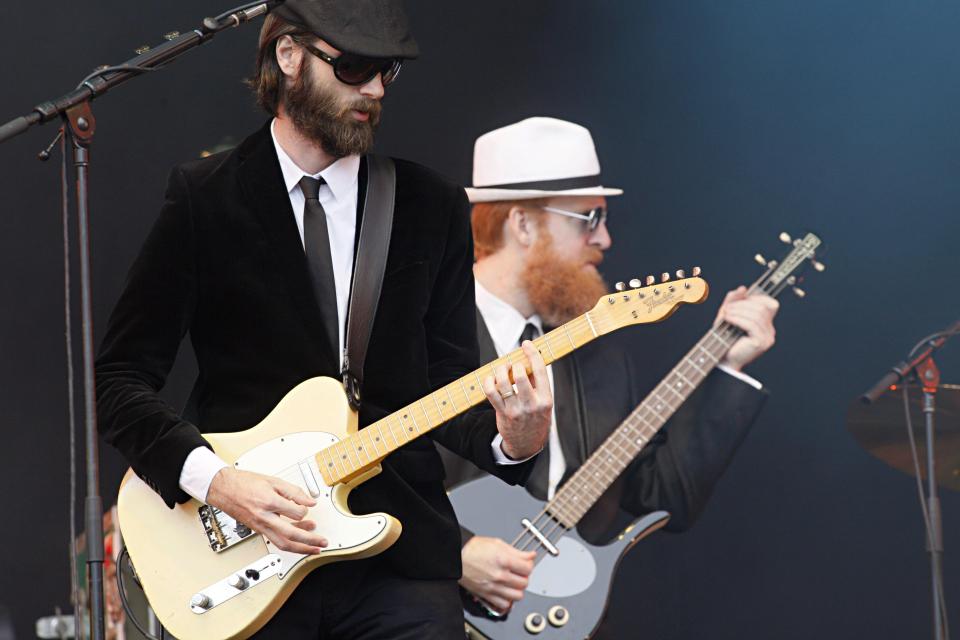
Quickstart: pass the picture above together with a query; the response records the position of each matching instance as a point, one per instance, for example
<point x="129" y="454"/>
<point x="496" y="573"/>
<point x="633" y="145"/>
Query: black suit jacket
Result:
<point x="224" y="263"/>
<point x="595" y="388"/>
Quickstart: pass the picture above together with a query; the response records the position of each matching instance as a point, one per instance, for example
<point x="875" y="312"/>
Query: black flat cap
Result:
<point x="375" y="28"/>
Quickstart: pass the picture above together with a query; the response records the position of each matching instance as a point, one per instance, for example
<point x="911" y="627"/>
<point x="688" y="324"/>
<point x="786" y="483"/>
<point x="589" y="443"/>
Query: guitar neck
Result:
<point x="601" y="469"/>
<point x="357" y="453"/>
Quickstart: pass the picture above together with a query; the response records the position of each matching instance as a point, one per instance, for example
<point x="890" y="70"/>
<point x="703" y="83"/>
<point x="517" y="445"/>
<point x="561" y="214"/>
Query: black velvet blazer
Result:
<point x="224" y="263"/>
<point x="595" y="388"/>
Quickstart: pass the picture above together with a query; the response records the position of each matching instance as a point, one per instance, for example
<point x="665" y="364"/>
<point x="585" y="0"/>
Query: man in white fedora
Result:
<point x="539" y="226"/>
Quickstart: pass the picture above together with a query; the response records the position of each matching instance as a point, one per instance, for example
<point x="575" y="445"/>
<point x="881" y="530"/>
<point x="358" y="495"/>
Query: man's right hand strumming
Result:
<point x="495" y="572"/>
<point x="268" y="506"/>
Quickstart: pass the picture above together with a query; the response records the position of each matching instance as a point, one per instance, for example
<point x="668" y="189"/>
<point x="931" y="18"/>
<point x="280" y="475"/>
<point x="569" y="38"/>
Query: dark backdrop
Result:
<point x="725" y="122"/>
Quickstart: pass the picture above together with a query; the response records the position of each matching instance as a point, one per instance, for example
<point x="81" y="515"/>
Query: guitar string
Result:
<point x="722" y="333"/>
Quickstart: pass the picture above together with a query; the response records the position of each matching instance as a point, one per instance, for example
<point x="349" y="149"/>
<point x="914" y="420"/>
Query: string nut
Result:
<point x="619" y="286"/>
<point x="785" y="237"/>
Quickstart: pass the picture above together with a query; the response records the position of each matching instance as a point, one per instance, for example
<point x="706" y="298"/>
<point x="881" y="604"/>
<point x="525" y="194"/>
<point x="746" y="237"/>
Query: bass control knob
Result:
<point x="201" y="601"/>
<point x="558" y="615"/>
<point x="534" y="623"/>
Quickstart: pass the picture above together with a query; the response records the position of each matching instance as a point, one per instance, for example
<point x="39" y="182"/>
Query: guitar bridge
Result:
<point x="222" y="530"/>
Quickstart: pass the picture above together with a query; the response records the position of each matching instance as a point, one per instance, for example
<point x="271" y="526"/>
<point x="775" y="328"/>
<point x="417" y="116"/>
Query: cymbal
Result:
<point x="881" y="429"/>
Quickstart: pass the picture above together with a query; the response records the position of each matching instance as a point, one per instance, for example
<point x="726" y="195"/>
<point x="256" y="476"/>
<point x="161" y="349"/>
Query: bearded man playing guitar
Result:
<point x="539" y="226"/>
<point x="253" y="255"/>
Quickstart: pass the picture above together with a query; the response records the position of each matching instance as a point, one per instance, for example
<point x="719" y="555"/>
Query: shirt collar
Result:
<point x="340" y="176"/>
<point x="504" y="322"/>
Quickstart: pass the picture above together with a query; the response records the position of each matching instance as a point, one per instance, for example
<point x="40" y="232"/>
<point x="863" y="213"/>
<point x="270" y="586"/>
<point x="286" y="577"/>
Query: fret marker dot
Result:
<point x="404" y="416"/>
<point x="377" y="439"/>
<point x="471" y="387"/>
<point x="409" y="428"/>
<point x="344" y="456"/>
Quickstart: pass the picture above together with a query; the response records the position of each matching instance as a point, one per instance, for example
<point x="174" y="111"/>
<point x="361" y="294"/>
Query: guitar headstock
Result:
<point x="787" y="272"/>
<point x="646" y="301"/>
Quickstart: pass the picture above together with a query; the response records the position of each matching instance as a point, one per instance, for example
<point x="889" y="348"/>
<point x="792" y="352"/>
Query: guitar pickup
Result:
<point x="222" y="530"/>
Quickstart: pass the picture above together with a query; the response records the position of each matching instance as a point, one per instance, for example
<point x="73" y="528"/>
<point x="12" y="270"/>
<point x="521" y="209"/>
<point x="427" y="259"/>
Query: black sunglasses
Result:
<point x="591" y="218"/>
<point x="355" y="70"/>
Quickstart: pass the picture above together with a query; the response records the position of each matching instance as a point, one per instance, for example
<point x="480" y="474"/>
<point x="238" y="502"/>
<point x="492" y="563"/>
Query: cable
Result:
<point x="71" y="415"/>
<point x="123" y="595"/>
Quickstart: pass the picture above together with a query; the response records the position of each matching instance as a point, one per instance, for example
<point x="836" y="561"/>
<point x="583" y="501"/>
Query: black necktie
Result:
<point x="530" y="332"/>
<point x="316" y="243"/>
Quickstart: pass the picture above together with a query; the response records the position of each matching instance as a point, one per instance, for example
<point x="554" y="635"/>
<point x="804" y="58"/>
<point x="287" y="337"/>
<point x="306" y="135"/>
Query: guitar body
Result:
<point x="183" y="558"/>
<point x="578" y="579"/>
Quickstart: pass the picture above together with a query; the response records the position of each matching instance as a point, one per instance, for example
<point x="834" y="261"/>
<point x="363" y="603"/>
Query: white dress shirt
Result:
<point x="505" y="324"/>
<point x="338" y="195"/>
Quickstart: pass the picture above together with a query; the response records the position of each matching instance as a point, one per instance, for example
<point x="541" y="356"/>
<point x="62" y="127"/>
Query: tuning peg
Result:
<point x="650" y="280"/>
<point x="800" y="292"/>
<point x="635" y="283"/>
<point x="696" y="272"/>
<point x="792" y="280"/>
<point x="664" y="277"/>
<point x="785" y="237"/>
<point x="680" y="274"/>
<point x="819" y="266"/>
<point x="760" y="260"/>
<point x="619" y="286"/>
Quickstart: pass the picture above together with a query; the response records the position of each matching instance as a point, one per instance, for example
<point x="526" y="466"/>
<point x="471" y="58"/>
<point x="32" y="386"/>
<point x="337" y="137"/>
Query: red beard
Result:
<point x="561" y="288"/>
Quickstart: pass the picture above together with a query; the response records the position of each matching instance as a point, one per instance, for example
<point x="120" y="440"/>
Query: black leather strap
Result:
<point x="375" y="226"/>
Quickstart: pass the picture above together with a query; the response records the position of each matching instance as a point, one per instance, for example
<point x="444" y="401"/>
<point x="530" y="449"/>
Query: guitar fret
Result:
<point x="567" y="333"/>
<point x="465" y="394"/>
<point x="439" y="410"/>
<point x="447" y="389"/>
<point x="426" y="416"/>
<point x="546" y="341"/>
<point x="381" y="439"/>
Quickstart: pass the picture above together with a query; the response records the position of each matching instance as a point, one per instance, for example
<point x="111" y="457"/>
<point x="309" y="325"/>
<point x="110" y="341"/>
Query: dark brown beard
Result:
<point x="318" y="114"/>
<point x="559" y="288"/>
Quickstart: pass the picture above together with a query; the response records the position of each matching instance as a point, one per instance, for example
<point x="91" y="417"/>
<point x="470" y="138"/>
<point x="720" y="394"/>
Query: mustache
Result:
<point x="593" y="255"/>
<point x="364" y="105"/>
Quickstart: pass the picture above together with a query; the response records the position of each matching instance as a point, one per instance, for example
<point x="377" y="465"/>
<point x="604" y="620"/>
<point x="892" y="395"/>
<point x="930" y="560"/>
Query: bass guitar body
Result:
<point x="209" y="577"/>
<point x="568" y="592"/>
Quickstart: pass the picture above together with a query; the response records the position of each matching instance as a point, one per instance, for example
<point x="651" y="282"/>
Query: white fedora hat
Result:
<point x="536" y="158"/>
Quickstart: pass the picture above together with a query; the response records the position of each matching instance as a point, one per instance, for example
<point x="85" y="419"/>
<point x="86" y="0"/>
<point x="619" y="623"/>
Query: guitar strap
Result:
<point x="376" y="224"/>
<point x="370" y="261"/>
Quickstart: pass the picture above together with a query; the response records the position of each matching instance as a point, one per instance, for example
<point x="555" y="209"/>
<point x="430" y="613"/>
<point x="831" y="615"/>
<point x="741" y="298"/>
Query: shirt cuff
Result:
<point x="198" y="471"/>
<point x="740" y="375"/>
<point x="499" y="456"/>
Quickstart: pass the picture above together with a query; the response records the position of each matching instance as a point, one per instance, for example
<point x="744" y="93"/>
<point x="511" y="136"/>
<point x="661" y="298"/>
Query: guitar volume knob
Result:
<point x="534" y="623"/>
<point x="558" y="615"/>
<point x="238" y="582"/>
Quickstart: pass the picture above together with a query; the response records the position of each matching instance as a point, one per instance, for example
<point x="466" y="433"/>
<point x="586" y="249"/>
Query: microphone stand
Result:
<point x="79" y="127"/>
<point x="922" y="368"/>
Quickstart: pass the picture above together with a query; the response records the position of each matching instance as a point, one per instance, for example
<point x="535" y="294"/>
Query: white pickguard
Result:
<point x="564" y="575"/>
<point x="287" y="458"/>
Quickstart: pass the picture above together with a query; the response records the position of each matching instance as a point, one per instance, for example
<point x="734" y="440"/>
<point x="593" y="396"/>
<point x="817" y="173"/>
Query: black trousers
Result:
<point x="367" y="600"/>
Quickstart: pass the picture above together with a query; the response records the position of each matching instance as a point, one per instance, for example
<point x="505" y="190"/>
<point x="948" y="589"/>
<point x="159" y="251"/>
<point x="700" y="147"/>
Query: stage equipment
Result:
<point x="77" y="130"/>
<point x="579" y="535"/>
<point x="209" y="577"/>
<point x="872" y="423"/>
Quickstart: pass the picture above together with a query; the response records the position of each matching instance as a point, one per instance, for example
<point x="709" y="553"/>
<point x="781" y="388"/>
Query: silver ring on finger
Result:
<point x="506" y="394"/>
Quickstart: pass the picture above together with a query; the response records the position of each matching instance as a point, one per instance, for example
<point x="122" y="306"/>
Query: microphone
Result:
<point x="901" y="369"/>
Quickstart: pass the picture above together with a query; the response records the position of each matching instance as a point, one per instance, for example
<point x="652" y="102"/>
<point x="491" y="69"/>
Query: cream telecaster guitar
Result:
<point x="209" y="577"/>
